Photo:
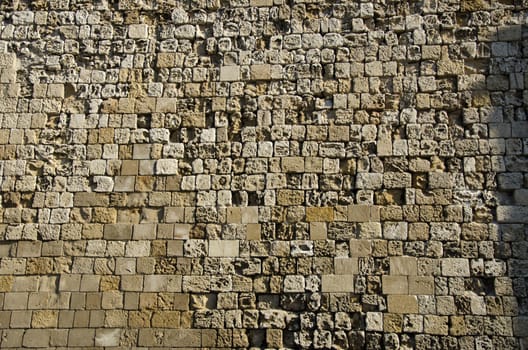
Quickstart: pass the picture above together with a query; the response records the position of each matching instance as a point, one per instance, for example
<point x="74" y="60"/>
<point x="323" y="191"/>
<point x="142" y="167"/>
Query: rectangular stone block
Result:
<point x="224" y="248"/>
<point x="90" y="199"/>
<point x="512" y="214"/>
<point x="6" y="283"/>
<point x="521" y="197"/>
<point x="166" y="167"/>
<point x="234" y="215"/>
<point x="358" y="213"/>
<point x="421" y="285"/>
<point x="337" y="283"/>
<point x="81" y="337"/>
<point x="395" y="230"/>
<point x="183" y="338"/>
<point x="319" y="214"/>
<point x="166" y="105"/>
<point x="260" y="3"/>
<point x="318" y="230"/>
<point x="455" y="267"/>
<point x="290" y="197"/>
<point x="253" y="232"/>
<point x="229" y="73"/>
<point x="193" y="119"/>
<point x="260" y="72"/>
<point x="138" y="31"/>
<point x="126" y="105"/>
<point x="108" y="337"/>
<point x="369" y="230"/>
<point x="402" y="304"/>
<point x="403" y="265"/>
<point x="163" y="283"/>
<point x="292" y="164"/>
<point x="36" y="338"/>
<point x="118" y="231"/>
<point x="249" y="215"/>
<point x="346" y="266"/>
<point x="360" y="247"/>
<point x="181" y="231"/>
<point x="16" y="301"/>
<point x="520" y="326"/>
<point x="395" y="285"/>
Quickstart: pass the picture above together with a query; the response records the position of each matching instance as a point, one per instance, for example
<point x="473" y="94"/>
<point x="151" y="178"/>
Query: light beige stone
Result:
<point x="402" y="304"/>
<point x="395" y="285"/>
<point x="229" y="73"/>
<point x="224" y="248"/>
<point x="337" y="283"/>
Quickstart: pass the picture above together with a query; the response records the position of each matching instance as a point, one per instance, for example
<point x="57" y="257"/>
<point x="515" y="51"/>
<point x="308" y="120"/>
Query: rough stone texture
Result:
<point x="263" y="174"/>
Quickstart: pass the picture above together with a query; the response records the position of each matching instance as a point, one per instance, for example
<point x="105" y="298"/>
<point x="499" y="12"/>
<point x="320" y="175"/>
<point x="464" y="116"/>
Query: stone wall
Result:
<point x="264" y="174"/>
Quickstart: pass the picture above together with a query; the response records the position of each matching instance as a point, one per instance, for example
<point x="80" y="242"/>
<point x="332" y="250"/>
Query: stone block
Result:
<point x="166" y="319"/>
<point x="294" y="284"/>
<point x="234" y="215"/>
<point x="403" y="265"/>
<point x="249" y="215"/>
<point x="360" y="247"/>
<point x="421" y="285"/>
<point x="253" y="232"/>
<point x="81" y="337"/>
<point x="36" y="338"/>
<point x="108" y="337"/>
<point x="512" y="214"/>
<point x="260" y="72"/>
<point x="138" y="31"/>
<point x="318" y="231"/>
<point x="346" y="266"/>
<point x="402" y="304"/>
<point x="369" y="230"/>
<point x="182" y="231"/>
<point x="359" y="212"/>
<point x="319" y="214"/>
<point x="290" y="197"/>
<point x="166" y="167"/>
<point x="6" y="283"/>
<point x="395" y="285"/>
<point x="374" y="321"/>
<point x="395" y="230"/>
<point x="183" y="338"/>
<point x="437" y="325"/>
<point x="520" y="326"/>
<point x="118" y="231"/>
<point x="193" y="119"/>
<point x="337" y="283"/>
<point x="223" y="248"/>
<point x="166" y="105"/>
<point x="163" y="283"/>
<point x="229" y="73"/>
<point x="455" y="267"/>
<point x="260" y="3"/>
<point x="292" y="164"/>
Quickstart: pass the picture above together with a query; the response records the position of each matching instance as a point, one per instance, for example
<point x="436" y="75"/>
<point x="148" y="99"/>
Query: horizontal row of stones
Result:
<point x="295" y="266"/>
<point x="194" y="339"/>
<point x="219" y="37"/>
<point x="398" y="222"/>
<point x="360" y="256"/>
<point x="363" y="102"/>
<point x="346" y="125"/>
<point x="218" y="189"/>
<point x="113" y="315"/>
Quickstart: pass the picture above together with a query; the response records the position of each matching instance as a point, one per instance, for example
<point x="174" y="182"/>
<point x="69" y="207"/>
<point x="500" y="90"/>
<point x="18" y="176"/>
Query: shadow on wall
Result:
<point x="500" y="95"/>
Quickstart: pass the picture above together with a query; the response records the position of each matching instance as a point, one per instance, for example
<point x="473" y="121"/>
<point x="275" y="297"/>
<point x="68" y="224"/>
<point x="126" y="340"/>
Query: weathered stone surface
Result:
<point x="263" y="174"/>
